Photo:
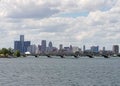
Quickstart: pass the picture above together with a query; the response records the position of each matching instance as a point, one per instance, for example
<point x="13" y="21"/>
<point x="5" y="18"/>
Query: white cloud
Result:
<point x="47" y="8"/>
<point x="37" y="20"/>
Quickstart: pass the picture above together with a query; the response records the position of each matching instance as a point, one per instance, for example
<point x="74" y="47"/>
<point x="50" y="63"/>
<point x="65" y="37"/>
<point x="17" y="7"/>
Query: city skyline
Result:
<point x="47" y="47"/>
<point x="75" y="22"/>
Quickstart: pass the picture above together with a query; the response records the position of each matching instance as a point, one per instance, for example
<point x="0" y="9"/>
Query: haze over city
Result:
<point x="75" y="22"/>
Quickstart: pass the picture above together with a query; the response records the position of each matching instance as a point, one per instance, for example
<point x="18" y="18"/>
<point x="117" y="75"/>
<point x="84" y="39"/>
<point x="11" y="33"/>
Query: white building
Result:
<point x="33" y="49"/>
<point x="75" y="49"/>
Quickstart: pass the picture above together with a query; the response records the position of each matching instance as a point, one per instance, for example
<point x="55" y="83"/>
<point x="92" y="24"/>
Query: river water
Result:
<point x="43" y="71"/>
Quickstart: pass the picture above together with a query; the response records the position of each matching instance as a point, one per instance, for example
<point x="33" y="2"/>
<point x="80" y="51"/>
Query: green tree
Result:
<point x="4" y="51"/>
<point x="17" y="53"/>
<point x="0" y="51"/>
<point x="10" y="51"/>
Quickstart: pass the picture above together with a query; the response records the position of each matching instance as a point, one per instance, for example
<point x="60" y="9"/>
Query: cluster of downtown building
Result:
<point x="25" y="47"/>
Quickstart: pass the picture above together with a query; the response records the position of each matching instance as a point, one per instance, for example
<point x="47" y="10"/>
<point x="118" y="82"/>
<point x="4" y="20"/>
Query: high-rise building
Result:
<point x="103" y="48"/>
<point x="17" y="46"/>
<point x="32" y="49"/>
<point x="21" y="45"/>
<point x="116" y="49"/>
<point x="71" y="48"/>
<point x="43" y="46"/>
<point x="75" y="49"/>
<point x="22" y="38"/>
<point x="39" y="49"/>
<point x="60" y="47"/>
<point x="67" y="48"/>
<point x="95" y="49"/>
<point x="26" y="45"/>
<point x="50" y="46"/>
<point x="84" y="48"/>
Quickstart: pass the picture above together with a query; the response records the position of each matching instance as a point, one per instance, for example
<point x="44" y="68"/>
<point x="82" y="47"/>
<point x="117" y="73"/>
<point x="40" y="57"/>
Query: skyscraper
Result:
<point x="32" y="49"/>
<point x="103" y="48"/>
<point x="26" y="45"/>
<point x="21" y="45"/>
<point x="60" y="47"/>
<point x="84" y="48"/>
<point x="116" y="49"/>
<point x="50" y="46"/>
<point x="95" y="49"/>
<point x="43" y="46"/>
<point x="17" y="46"/>
<point x="22" y="38"/>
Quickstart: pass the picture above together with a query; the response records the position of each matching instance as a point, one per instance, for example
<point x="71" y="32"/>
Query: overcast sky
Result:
<point x="75" y="22"/>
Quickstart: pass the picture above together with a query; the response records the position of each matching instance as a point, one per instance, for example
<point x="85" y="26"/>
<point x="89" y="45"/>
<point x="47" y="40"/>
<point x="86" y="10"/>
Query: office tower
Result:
<point x="32" y="49"/>
<point x="60" y="47"/>
<point x="84" y="48"/>
<point x="43" y="46"/>
<point x="26" y="45"/>
<point x="103" y="48"/>
<point x="75" y="49"/>
<point x="39" y="49"/>
<point x="22" y="38"/>
<point x="21" y="45"/>
<point x="95" y="49"/>
<point x="71" y="48"/>
<point x="17" y="46"/>
<point x="115" y="49"/>
<point x="50" y="46"/>
<point x="67" y="48"/>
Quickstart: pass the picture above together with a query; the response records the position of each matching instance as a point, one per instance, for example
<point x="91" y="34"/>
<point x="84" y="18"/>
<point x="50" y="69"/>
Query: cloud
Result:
<point x="27" y="9"/>
<point x="38" y="19"/>
<point x="47" y="8"/>
<point x="35" y="12"/>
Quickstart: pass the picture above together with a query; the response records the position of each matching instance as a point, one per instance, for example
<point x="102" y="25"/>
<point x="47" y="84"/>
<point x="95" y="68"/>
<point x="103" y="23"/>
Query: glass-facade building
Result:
<point x="95" y="49"/>
<point x="43" y="46"/>
<point x="21" y="45"/>
<point x="115" y="49"/>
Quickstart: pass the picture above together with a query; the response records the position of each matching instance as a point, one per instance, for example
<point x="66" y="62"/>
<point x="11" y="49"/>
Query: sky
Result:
<point x="67" y="22"/>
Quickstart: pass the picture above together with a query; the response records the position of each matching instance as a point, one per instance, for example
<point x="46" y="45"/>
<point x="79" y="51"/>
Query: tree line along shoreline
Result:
<point x="6" y="53"/>
<point x="11" y="53"/>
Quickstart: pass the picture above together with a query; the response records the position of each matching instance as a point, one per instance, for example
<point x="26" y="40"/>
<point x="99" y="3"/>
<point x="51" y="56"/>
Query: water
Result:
<point x="55" y="71"/>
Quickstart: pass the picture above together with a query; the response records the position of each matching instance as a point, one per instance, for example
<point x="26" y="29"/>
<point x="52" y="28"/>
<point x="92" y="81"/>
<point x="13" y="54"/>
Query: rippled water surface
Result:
<point x="43" y="71"/>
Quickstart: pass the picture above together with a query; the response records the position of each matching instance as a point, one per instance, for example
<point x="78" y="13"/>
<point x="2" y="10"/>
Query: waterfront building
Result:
<point x="43" y="46"/>
<point x="71" y="48"/>
<point x="84" y="48"/>
<point x="39" y="49"/>
<point x="61" y="47"/>
<point x="115" y="49"/>
<point x="95" y="49"/>
<point x="50" y="47"/>
<point x="18" y="46"/>
<point x="103" y="48"/>
<point x="67" y="49"/>
<point x="22" y="38"/>
<point x="21" y="45"/>
<point x="50" y="44"/>
<point x="75" y="49"/>
<point x="26" y="45"/>
<point x="55" y="50"/>
<point x="32" y="49"/>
